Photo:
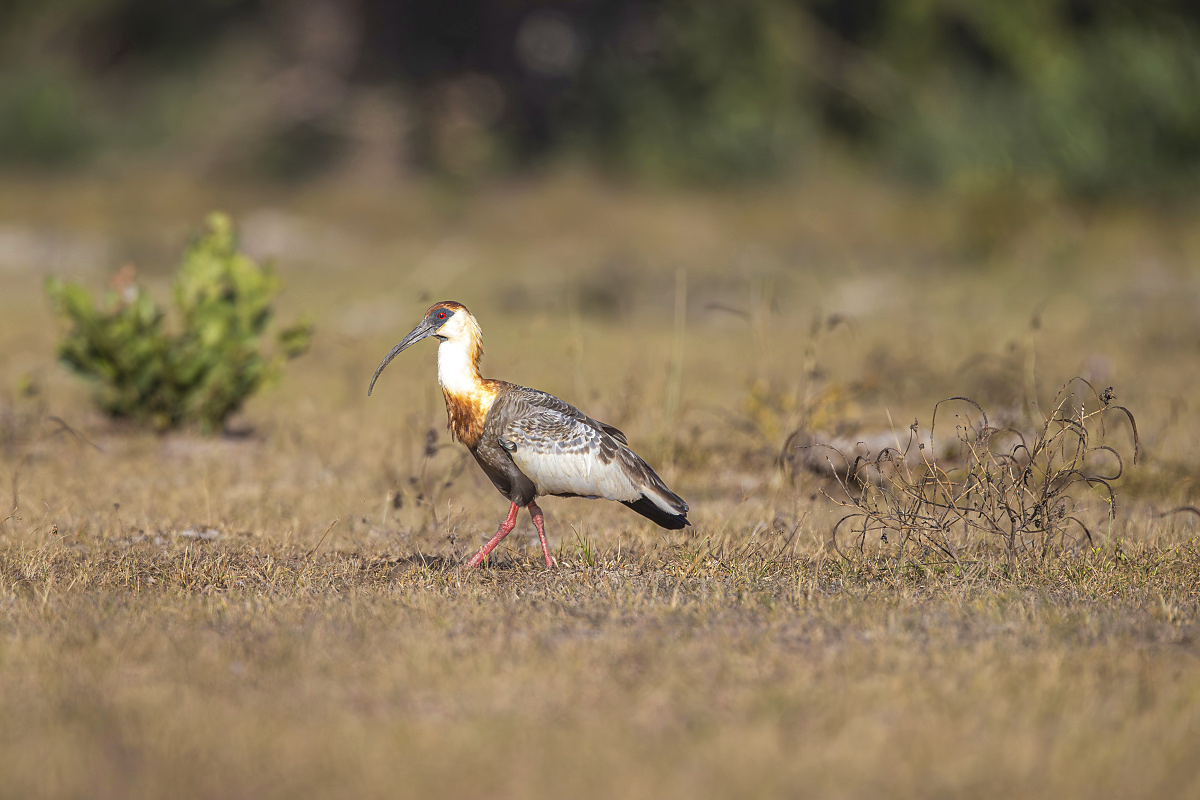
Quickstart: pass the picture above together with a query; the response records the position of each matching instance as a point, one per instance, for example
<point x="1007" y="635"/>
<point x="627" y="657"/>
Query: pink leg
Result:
<point x="538" y="523"/>
<point x="505" y="527"/>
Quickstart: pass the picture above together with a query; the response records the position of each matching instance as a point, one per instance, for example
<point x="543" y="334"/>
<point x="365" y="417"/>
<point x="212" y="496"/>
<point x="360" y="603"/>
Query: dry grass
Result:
<point x="237" y="670"/>
<point x="1003" y="486"/>
<point x="177" y="616"/>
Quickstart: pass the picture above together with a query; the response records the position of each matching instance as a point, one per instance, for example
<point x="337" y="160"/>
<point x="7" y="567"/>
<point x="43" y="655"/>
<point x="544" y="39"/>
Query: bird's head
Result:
<point x="447" y="321"/>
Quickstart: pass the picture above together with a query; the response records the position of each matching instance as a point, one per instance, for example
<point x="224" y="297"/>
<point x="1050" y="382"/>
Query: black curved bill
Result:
<point x="418" y="333"/>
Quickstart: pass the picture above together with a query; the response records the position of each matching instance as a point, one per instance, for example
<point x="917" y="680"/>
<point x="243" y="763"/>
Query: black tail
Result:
<point x="644" y="506"/>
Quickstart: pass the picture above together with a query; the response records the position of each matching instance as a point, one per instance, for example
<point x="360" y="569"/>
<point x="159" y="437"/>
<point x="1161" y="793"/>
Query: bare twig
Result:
<point x="1020" y="488"/>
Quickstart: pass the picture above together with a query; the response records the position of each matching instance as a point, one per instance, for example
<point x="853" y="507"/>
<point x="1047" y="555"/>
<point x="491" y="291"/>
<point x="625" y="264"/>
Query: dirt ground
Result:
<point x="281" y="611"/>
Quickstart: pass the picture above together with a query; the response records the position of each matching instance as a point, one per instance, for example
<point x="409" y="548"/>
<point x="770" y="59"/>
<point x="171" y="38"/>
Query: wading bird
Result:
<point x="530" y="443"/>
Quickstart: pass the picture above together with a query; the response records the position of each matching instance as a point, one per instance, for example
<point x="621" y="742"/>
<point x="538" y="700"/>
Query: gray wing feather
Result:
<point x="566" y="452"/>
<point x="536" y="399"/>
<point x="564" y="455"/>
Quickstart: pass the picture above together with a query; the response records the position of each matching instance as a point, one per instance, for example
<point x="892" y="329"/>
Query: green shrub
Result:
<point x="198" y="370"/>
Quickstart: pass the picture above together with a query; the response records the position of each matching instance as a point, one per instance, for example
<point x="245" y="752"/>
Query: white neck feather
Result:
<point x="457" y="372"/>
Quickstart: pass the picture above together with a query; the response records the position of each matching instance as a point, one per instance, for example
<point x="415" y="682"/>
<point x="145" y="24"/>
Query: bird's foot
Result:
<point x="540" y="523"/>
<point x="505" y="528"/>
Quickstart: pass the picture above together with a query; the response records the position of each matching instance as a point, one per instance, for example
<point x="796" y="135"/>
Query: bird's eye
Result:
<point x="441" y="315"/>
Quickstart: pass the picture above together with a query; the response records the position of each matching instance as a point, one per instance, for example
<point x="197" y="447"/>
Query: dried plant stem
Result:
<point x="1025" y="489"/>
<point x="675" y="383"/>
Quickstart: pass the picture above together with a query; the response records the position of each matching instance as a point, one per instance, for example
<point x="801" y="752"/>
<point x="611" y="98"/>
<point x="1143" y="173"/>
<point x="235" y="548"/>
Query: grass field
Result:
<point x="280" y="612"/>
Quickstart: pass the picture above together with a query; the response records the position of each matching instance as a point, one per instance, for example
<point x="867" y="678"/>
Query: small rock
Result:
<point x="204" y="535"/>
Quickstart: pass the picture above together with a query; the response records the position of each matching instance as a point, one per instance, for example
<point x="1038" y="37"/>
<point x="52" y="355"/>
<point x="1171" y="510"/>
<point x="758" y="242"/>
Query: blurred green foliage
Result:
<point x="200" y="373"/>
<point x="1088" y="96"/>
<point x="713" y="91"/>
<point x="42" y="120"/>
<point x="1097" y="97"/>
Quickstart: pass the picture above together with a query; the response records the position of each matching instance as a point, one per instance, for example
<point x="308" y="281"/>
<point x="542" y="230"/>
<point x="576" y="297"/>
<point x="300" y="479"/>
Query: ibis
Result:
<point x="530" y="443"/>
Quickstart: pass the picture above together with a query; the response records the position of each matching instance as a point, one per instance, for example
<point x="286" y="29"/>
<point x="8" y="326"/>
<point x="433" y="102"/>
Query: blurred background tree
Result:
<point x="1088" y="97"/>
